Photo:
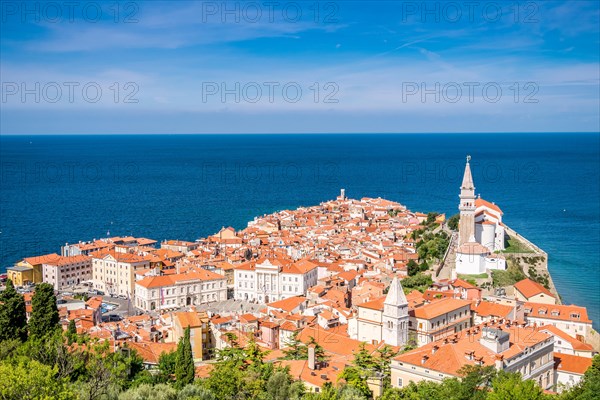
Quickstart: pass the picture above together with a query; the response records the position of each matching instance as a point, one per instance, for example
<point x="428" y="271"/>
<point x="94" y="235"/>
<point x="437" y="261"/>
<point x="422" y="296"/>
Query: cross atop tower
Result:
<point x="468" y="158"/>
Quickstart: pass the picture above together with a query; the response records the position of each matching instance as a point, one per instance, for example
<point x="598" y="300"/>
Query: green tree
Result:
<point x="348" y="392"/>
<point x="419" y="282"/>
<point x="166" y="366"/>
<point x="71" y="331"/>
<point x="26" y="379"/>
<point x="384" y="361"/>
<point x="149" y="392"/>
<point x="195" y="392"/>
<point x="295" y="349"/>
<point x="44" y="315"/>
<point x="412" y="268"/>
<point x="475" y="382"/>
<point x="184" y="362"/>
<point x="431" y="216"/>
<point x="13" y="319"/>
<point x="107" y="372"/>
<point x="278" y="385"/>
<point x="51" y="350"/>
<point x="424" y="390"/>
<point x="297" y="390"/>
<point x="363" y="367"/>
<point x="453" y="222"/>
<point x="510" y="386"/>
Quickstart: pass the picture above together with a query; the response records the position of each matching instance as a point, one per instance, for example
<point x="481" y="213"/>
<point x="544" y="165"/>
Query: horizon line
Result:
<point x="301" y="133"/>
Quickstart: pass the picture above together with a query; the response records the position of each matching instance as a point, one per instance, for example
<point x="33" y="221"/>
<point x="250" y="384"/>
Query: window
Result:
<point x="400" y="382"/>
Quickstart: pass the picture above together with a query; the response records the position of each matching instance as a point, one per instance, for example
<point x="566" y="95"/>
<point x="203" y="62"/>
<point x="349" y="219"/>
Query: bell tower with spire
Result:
<point x="466" y="224"/>
<point x="395" y="316"/>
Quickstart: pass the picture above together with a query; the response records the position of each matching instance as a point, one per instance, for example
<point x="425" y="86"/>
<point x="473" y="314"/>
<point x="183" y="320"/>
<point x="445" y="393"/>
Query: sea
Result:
<point x="65" y="189"/>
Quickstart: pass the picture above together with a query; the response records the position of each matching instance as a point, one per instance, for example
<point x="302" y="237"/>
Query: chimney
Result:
<point x="498" y="362"/>
<point x="424" y="359"/>
<point x="311" y="357"/>
<point x="434" y="349"/>
<point x="495" y="340"/>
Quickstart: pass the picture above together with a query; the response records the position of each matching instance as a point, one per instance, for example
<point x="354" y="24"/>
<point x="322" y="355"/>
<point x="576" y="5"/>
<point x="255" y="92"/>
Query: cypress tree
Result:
<point x="184" y="364"/>
<point x="72" y="331"/>
<point x="44" y="314"/>
<point x="13" y="319"/>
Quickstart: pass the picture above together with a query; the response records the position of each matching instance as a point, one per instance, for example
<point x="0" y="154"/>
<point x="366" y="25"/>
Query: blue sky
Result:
<point x="299" y="66"/>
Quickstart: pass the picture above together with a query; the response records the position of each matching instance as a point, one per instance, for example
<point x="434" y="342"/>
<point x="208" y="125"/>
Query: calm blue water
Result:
<point x="58" y="189"/>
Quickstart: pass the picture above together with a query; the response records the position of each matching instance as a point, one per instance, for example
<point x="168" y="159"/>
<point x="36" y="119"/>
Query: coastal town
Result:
<point x="343" y="280"/>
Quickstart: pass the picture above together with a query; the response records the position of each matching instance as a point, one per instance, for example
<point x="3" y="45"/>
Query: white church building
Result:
<point x="480" y="231"/>
<point x="382" y="320"/>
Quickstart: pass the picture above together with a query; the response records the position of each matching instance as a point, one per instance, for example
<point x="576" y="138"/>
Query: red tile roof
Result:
<point x="571" y="364"/>
<point x="529" y="288"/>
<point x="440" y="307"/>
<point x="449" y="357"/>
<point x="288" y="304"/>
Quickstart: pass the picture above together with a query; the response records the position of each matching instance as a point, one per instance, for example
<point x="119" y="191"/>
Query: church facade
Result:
<point x="481" y="233"/>
<point x="383" y="319"/>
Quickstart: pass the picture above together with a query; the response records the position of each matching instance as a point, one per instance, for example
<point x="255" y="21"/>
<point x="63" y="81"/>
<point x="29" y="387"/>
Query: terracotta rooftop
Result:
<point x="571" y="364"/>
<point x="288" y="304"/>
<point x="576" y="344"/>
<point x="440" y="307"/>
<point x="449" y="356"/>
<point x="479" y="202"/>
<point x="557" y="311"/>
<point x="529" y="288"/>
<point x="489" y="309"/>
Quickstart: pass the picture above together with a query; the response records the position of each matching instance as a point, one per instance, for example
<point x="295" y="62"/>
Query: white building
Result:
<point x="569" y="370"/>
<point x="566" y="344"/>
<point x="114" y="273"/>
<point x="508" y="347"/>
<point x="481" y="232"/>
<point x="473" y="258"/>
<point x="272" y="280"/>
<point x="489" y="230"/>
<point x="383" y="319"/>
<point x="571" y="319"/>
<point x="178" y="290"/>
<point x="67" y="271"/>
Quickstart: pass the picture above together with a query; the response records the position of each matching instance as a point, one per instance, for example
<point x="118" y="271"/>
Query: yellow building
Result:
<point x="29" y="270"/>
<point x="199" y="332"/>
<point x="20" y="275"/>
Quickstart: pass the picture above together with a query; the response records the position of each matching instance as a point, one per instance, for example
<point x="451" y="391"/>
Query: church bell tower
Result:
<point x="395" y="316"/>
<point x="466" y="224"/>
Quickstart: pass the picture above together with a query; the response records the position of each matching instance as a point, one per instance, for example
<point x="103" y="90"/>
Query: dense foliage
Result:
<point x="419" y="282"/>
<point x="44" y="314"/>
<point x="13" y="320"/>
<point x="184" y="361"/>
<point x="453" y="222"/>
<point x="508" y="277"/>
